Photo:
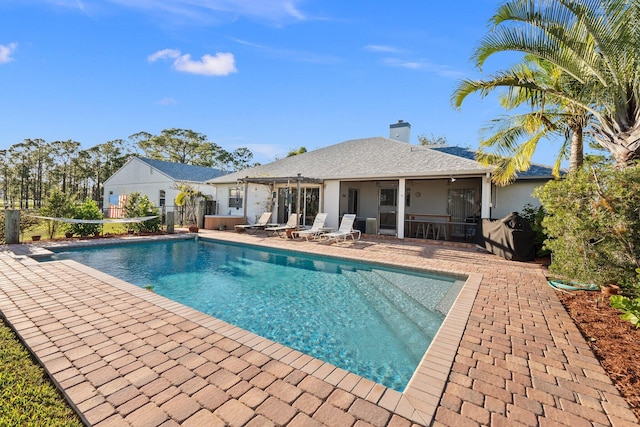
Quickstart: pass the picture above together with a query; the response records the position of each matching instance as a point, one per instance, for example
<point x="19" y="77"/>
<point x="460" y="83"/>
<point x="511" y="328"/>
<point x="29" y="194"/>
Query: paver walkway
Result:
<point x="125" y="356"/>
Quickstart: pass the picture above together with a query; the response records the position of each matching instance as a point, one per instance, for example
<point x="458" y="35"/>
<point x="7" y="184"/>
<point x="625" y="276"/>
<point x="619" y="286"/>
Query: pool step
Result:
<point x="410" y="334"/>
<point x="432" y="293"/>
<point x="427" y="320"/>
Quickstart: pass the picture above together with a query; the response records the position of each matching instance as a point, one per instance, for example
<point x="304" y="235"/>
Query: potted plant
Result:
<point x="187" y="197"/>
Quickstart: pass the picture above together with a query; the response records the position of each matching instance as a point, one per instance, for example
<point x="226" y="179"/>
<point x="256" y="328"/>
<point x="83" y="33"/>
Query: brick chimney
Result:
<point x="400" y="131"/>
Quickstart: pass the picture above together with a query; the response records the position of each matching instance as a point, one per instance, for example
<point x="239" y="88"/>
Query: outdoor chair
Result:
<point x="345" y="230"/>
<point x="281" y="230"/>
<point x="261" y="224"/>
<point x="317" y="228"/>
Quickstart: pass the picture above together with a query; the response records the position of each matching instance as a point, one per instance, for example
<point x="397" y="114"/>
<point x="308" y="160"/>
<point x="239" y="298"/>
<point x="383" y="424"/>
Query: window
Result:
<point x="388" y="196"/>
<point x="235" y="197"/>
<point x="163" y="196"/>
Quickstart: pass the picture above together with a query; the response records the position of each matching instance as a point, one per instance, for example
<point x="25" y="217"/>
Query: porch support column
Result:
<point x="401" y="204"/>
<point x="485" y="211"/>
<point x="298" y="179"/>
<point x="244" y="200"/>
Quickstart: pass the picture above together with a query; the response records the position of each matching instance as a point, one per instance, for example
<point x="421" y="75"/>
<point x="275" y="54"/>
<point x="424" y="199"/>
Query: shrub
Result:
<point x="139" y="206"/>
<point x="88" y="210"/>
<point x="534" y="215"/>
<point x="630" y="308"/>
<point x="57" y="205"/>
<point x="593" y="224"/>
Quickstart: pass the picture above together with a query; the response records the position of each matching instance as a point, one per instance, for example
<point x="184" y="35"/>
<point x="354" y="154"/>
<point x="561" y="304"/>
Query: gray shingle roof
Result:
<point x="182" y="172"/>
<point x="364" y="158"/>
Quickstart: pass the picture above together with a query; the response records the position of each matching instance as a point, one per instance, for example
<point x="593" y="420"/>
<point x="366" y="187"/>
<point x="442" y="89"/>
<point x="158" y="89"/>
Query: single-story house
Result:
<point x="158" y="180"/>
<point x="391" y="185"/>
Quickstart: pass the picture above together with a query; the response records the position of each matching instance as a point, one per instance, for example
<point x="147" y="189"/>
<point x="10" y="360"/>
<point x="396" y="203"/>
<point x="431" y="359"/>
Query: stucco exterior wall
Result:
<point x="332" y="198"/>
<point x="513" y="198"/>
<point x="137" y="176"/>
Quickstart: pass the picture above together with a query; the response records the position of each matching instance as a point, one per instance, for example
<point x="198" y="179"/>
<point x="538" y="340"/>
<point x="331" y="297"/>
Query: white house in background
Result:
<point x="390" y="184"/>
<point x="157" y="180"/>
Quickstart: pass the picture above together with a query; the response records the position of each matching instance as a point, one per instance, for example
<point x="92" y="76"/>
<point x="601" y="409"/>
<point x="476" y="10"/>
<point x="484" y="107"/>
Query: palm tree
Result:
<point x="596" y="44"/>
<point x="515" y="138"/>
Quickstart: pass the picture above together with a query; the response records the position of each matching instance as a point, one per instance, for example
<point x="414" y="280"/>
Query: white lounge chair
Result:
<point x="281" y="230"/>
<point x="345" y="230"/>
<point x="261" y="224"/>
<point x="317" y="228"/>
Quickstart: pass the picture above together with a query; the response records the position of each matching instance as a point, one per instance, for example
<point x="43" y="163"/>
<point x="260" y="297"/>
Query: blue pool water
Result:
<point x="369" y="320"/>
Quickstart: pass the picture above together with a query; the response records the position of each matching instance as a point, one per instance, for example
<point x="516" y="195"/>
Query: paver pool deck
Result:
<point x="122" y="355"/>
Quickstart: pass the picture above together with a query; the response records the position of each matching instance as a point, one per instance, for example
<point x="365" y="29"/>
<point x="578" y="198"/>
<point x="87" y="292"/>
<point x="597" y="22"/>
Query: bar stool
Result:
<point x="434" y="230"/>
<point x="420" y="229"/>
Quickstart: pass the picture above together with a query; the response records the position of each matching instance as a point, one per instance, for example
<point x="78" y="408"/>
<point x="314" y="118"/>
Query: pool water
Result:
<point x="366" y="319"/>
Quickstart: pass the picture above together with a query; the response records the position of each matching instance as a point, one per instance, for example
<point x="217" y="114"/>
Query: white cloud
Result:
<point x="292" y="55"/>
<point x="213" y="11"/>
<point x="6" y="51"/>
<point x="164" y="53"/>
<point x="167" y="101"/>
<point x="220" y="64"/>
<point x="381" y="48"/>
<point x="440" y="70"/>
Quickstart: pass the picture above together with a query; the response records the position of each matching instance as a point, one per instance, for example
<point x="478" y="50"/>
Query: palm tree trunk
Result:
<point x="623" y="146"/>
<point x="577" y="149"/>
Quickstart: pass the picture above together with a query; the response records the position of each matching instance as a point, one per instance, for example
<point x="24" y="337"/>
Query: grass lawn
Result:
<point x="27" y="396"/>
<point x="41" y="230"/>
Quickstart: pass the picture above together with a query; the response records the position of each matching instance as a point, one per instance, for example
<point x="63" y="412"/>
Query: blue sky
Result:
<point x="269" y="75"/>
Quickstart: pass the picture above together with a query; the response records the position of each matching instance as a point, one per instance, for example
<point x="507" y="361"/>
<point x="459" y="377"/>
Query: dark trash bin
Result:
<point x="360" y="224"/>
<point x="510" y="237"/>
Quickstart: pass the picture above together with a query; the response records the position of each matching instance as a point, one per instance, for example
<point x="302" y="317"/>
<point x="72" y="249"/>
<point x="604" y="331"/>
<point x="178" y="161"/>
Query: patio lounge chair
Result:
<point x="280" y="230"/>
<point x="345" y="230"/>
<point x="261" y="224"/>
<point x="317" y="228"/>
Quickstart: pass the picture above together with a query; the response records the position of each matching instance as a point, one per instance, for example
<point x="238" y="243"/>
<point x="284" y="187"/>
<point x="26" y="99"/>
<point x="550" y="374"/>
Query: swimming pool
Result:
<point x="369" y="320"/>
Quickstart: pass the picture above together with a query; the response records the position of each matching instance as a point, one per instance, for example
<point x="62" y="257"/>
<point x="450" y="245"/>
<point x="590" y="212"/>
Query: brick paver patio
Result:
<point x="508" y="353"/>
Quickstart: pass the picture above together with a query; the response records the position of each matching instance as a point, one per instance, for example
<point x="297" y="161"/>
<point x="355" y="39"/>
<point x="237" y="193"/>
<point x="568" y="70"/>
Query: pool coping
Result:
<point x="418" y="402"/>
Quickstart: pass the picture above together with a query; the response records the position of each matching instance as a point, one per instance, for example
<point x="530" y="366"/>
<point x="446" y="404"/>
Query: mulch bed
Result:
<point x="614" y="341"/>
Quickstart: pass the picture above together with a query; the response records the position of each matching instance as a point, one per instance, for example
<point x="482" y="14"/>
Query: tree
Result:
<point x="596" y="44"/>
<point x="294" y="152"/>
<point x="187" y="197"/>
<point x="102" y="161"/>
<point x="238" y="159"/>
<point x="64" y="151"/>
<point x="593" y="226"/>
<point x="432" y="140"/>
<point x="179" y="146"/>
<point x="57" y="205"/>
<point x="137" y="206"/>
<point x="514" y="139"/>
<point x="4" y="167"/>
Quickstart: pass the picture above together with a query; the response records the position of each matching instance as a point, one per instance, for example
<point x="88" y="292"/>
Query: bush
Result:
<point x="88" y="210"/>
<point x="534" y="215"/>
<point x="593" y="225"/>
<point x="140" y="206"/>
<point x="57" y="205"/>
